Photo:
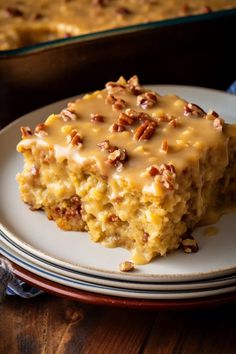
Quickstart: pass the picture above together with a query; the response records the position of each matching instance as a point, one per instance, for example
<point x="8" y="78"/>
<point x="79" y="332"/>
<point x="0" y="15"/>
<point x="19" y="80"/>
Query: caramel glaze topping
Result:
<point x="129" y="132"/>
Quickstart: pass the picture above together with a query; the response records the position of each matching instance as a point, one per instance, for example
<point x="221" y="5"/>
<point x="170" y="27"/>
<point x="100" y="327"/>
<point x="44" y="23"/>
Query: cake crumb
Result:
<point x="126" y="266"/>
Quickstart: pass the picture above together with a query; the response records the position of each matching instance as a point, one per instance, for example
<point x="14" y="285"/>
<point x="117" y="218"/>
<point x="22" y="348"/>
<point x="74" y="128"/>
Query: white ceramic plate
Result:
<point x="74" y="251"/>
<point x="22" y="257"/>
<point x="121" y="291"/>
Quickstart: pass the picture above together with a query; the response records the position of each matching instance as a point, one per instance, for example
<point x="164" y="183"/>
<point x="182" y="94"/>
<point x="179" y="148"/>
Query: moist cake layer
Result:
<point x="134" y="168"/>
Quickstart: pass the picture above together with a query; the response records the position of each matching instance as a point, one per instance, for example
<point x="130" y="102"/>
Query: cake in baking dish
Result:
<point x="133" y="168"/>
<point x="26" y="22"/>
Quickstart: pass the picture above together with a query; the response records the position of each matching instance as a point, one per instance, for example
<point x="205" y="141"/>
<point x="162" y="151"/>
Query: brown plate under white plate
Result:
<point x="105" y="300"/>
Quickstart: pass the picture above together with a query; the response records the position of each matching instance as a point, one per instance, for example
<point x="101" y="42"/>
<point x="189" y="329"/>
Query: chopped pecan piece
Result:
<point x="145" y="237"/>
<point x="189" y="244"/>
<point x="116" y="127"/>
<point x="97" y="118"/>
<point x="106" y="146"/>
<point x="74" y="138"/>
<point x="71" y="210"/>
<point x="164" y="146"/>
<point x="134" y="115"/>
<point x="168" y="176"/>
<point x="218" y="124"/>
<point x="126" y="266"/>
<point x="168" y="184"/>
<point x="165" y="173"/>
<point x="124" y="11"/>
<point x="110" y="99"/>
<point x="153" y="171"/>
<point x="117" y="157"/>
<point x="67" y="115"/>
<point x="40" y="130"/>
<point x="213" y="113"/>
<point x="147" y="100"/>
<point x="145" y="131"/>
<point x="133" y="86"/>
<point x="119" y="104"/>
<point x="25" y="132"/>
<point x="173" y="123"/>
<point x="111" y="86"/>
<point x="125" y="119"/>
<point x="167" y="167"/>
<point x="193" y="109"/>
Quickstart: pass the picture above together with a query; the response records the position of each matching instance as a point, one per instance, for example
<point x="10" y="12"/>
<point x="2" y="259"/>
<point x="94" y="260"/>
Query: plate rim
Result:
<point x="112" y="301"/>
<point x="114" y="274"/>
<point x="121" y="292"/>
<point x="157" y="286"/>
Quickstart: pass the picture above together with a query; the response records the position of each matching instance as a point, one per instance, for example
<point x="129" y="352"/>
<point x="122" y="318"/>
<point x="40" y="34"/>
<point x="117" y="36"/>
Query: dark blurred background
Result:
<point x="195" y="51"/>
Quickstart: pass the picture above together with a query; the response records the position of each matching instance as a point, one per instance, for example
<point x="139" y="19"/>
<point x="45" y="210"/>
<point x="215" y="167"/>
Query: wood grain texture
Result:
<point x="200" y="332"/>
<point x="49" y="324"/>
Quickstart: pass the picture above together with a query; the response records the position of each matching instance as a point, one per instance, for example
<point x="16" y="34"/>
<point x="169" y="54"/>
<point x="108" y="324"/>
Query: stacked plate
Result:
<point x="70" y="258"/>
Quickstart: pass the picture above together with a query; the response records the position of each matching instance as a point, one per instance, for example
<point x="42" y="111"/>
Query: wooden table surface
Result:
<point x="49" y="324"/>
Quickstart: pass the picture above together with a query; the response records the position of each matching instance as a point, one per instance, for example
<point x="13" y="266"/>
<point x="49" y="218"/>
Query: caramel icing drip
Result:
<point x="133" y="134"/>
<point x="210" y="231"/>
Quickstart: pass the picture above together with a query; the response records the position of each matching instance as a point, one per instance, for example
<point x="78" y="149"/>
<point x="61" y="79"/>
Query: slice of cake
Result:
<point x="134" y="168"/>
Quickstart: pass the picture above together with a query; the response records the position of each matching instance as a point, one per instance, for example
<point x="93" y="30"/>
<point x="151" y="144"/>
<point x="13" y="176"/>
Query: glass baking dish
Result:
<point x="116" y="31"/>
<point x="195" y="50"/>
